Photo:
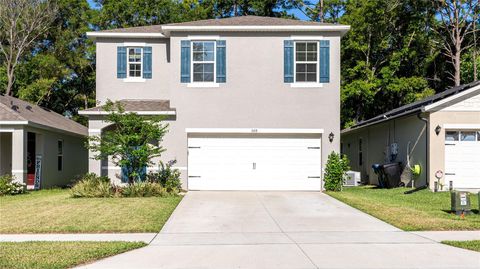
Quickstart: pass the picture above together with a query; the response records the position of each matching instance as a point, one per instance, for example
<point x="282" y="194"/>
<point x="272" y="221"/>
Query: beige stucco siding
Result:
<point x="75" y="159"/>
<point x="254" y="95"/>
<point x="376" y="140"/>
<point x="437" y="142"/>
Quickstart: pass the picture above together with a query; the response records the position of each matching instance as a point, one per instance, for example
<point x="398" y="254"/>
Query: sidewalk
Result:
<point x="439" y="236"/>
<point x="130" y="237"/>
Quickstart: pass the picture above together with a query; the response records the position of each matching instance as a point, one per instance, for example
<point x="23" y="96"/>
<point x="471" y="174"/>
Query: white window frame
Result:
<point x="141" y="63"/>
<point x="192" y="62"/>
<point x="60" y="154"/>
<point x="459" y="133"/>
<point x="316" y="82"/>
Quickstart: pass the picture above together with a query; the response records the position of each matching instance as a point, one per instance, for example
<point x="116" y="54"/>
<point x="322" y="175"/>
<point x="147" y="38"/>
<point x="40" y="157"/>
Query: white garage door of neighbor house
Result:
<point x="254" y="162"/>
<point x="462" y="159"/>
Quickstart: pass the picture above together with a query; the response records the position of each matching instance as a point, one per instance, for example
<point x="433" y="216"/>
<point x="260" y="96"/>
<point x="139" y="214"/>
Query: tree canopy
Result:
<point x="395" y="52"/>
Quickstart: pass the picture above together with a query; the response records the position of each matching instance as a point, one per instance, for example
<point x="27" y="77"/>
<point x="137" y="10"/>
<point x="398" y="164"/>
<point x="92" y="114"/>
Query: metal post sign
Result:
<point x="38" y="171"/>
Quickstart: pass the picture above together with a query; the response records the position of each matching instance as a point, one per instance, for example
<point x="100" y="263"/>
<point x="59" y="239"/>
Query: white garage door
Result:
<point x="254" y="162"/>
<point x="462" y="159"/>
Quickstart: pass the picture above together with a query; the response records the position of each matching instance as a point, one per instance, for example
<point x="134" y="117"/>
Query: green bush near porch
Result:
<point x="420" y="211"/>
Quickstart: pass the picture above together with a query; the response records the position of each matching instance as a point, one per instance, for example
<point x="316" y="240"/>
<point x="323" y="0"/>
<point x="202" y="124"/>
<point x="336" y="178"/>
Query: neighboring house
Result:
<point x="30" y="133"/>
<point x="251" y="101"/>
<point x="440" y="133"/>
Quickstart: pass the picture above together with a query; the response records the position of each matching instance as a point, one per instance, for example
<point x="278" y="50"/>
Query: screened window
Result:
<point x="134" y="62"/>
<point x="306" y="61"/>
<point x="360" y="152"/>
<point x="60" y="155"/>
<point x="467" y="136"/>
<point x="451" y="136"/>
<point x="203" y="60"/>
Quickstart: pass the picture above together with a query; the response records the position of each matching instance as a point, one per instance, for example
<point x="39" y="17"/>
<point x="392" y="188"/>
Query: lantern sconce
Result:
<point x="438" y="129"/>
<point x="330" y="137"/>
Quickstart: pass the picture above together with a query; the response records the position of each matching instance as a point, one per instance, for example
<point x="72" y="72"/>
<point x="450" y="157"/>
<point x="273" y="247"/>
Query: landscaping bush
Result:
<point x="143" y="189"/>
<point x="167" y="176"/>
<point x="335" y="171"/>
<point x="9" y="187"/>
<point x="92" y="186"/>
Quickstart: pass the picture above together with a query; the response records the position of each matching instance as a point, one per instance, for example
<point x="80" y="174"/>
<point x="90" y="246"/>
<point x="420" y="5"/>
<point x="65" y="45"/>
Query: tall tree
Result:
<point x="22" y="22"/>
<point x="456" y="23"/>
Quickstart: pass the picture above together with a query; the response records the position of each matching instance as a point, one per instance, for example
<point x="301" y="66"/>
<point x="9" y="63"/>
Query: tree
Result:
<point x="456" y="23"/>
<point x="132" y="142"/>
<point x="22" y="22"/>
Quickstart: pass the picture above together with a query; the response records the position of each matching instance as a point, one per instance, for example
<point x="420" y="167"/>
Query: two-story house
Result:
<point x="253" y="103"/>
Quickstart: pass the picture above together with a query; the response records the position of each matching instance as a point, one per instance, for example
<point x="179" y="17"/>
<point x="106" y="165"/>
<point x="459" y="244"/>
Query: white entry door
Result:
<point x="254" y="162"/>
<point x="462" y="159"/>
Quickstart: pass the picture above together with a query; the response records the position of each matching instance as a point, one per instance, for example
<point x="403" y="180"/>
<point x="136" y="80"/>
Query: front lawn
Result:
<point x="471" y="245"/>
<point x="54" y="211"/>
<point x="419" y="211"/>
<point x="52" y="255"/>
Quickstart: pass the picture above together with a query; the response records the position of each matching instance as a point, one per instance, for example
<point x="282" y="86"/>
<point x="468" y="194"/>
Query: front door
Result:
<point x="31" y="158"/>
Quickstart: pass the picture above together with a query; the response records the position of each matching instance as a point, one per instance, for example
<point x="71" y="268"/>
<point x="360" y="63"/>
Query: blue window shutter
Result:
<point x="121" y="62"/>
<point x="324" y="61"/>
<point x="221" y="61"/>
<point x="288" y="61"/>
<point x="124" y="176"/>
<point x="185" y="61"/>
<point x="143" y="173"/>
<point x="147" y="62"/>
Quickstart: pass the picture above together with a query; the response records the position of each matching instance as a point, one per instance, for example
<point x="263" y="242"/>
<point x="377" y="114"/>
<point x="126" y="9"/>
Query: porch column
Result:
<point x="19" y="155"/>
<point x="94" y="166"/>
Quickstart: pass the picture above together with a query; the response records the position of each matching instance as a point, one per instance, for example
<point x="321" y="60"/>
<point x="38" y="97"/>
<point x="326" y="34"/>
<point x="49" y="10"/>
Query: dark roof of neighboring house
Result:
<point x="136" y="105"/>
<point x="231" y="21"/>
<point x="415" y="106"/>
<point x="14" y="109"/>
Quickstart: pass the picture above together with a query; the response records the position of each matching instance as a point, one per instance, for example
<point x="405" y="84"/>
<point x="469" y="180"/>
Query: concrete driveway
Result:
<point x="283" y="230"/>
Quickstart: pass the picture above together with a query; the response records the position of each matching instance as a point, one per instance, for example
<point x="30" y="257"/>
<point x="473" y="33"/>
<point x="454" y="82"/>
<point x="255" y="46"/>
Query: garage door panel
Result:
<point x="254" y="163"/>
<point x="462" y="161"/>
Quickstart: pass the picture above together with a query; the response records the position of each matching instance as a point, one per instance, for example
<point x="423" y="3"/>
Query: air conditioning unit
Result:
<point x="352" y="179"/>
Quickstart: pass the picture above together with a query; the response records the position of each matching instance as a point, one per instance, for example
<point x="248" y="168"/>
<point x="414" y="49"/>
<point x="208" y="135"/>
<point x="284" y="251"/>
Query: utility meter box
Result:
<point x="460" y="201"/>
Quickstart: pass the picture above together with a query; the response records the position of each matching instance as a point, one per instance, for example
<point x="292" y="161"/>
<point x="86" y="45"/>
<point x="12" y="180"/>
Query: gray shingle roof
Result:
<point x="137" y="105"/>
<point x="248" y="21"/>
<point x="415" y="106"/>
<point x="232" y="21"/>
<point x="13" y="109"/>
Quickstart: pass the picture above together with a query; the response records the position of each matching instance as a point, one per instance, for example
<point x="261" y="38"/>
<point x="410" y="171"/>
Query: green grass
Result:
<point x="54" y="211"/>
<point x="54" y="255"/>
<point x="419" y="211"/>
<point x="471" y="245"/>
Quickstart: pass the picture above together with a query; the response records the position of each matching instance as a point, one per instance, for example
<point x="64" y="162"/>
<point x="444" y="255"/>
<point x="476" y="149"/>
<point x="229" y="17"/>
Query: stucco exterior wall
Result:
<point x="254" y="95"/>
<point x="75" y="161"/>
<point x="437" y="142"/>
<point x="376" y="141"/>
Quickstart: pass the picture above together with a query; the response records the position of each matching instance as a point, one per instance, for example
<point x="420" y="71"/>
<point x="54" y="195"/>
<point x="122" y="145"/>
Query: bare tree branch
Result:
<point x="22" y="22"/>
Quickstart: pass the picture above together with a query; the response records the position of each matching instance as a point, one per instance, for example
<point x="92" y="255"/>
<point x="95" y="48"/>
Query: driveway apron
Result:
<point x="283" y="230"/>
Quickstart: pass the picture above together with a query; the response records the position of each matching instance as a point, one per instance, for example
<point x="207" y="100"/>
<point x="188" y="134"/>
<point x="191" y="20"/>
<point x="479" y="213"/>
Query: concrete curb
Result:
<point x="130" y="237"/>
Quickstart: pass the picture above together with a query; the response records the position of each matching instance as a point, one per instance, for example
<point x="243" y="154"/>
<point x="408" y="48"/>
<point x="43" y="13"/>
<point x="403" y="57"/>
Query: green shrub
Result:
<point x="91" y="186"/>
<point x="143" y="189"/>
<point x="335" y="171"/>
<point x="10" y="187"/>
<point x="167" y="176"/>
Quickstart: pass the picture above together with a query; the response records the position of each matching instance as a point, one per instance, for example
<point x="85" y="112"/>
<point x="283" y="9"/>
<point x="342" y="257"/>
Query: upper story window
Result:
<point x="134" y="62"/>
<point x="306" y="61"/>
<point x="203" y="61"/>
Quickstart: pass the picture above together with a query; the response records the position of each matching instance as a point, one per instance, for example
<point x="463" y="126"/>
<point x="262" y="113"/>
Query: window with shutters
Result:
<point x="134" y="62"/>
<point x="306" y="61"/>
<point x="203" y="61"/>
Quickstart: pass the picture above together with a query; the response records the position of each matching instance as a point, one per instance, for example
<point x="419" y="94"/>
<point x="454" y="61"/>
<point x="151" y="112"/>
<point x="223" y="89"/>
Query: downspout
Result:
<point x="427" y="134"/>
